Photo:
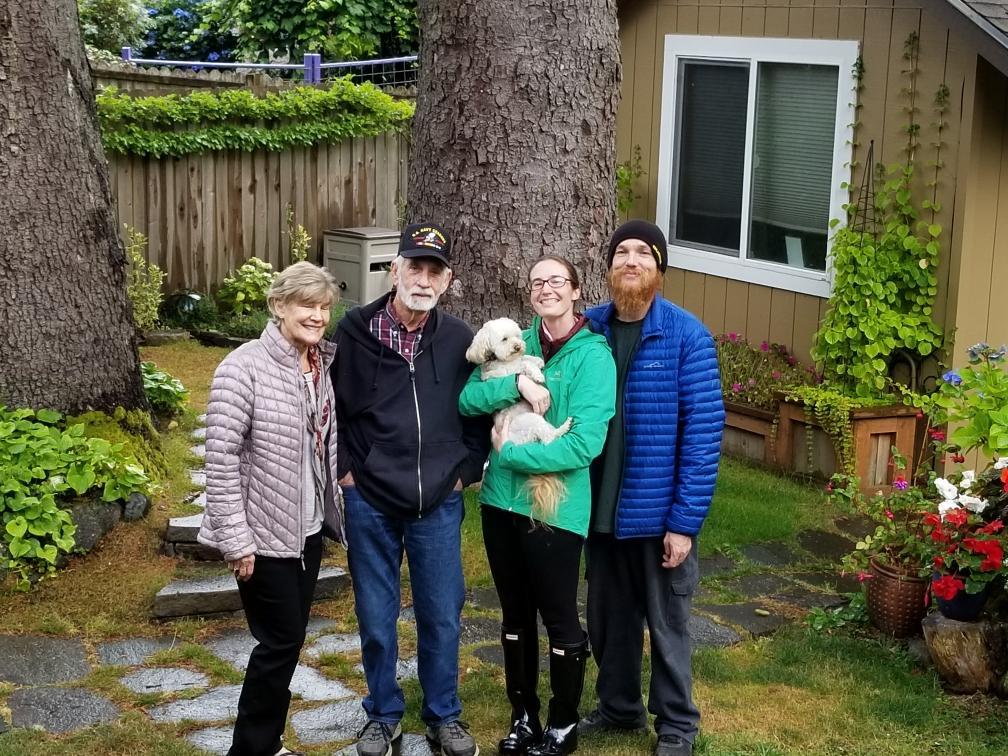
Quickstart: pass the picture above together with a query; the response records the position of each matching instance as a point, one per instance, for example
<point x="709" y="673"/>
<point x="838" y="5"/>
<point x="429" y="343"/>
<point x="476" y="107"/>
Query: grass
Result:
<point x="753" y="505"/>
<point x="796" y="693"/>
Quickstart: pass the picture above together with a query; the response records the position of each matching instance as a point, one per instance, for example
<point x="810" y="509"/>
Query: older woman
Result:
<point x="535" y="564"/>
<point x="271" y="462"/>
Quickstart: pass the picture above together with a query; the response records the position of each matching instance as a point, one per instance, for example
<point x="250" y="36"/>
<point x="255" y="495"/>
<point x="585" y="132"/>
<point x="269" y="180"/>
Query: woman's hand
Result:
<point x="501" y="436"/>
<point x="242" y="568"/>
<point x="535" y="394"/>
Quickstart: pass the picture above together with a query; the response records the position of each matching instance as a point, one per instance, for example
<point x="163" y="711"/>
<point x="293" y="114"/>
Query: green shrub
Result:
<point x="245" y="290"/>
<point x="166" y="394"/>
<point x="298" y="238"/>
<point x="191" y="311"/>
<point x="247" y="326"/>
<point x="753" y="375"/>
<point x="134" y="431"/>
<point x="41" y="462"/>
<point x="110" y="25"/>
<point x="144" y="283"/>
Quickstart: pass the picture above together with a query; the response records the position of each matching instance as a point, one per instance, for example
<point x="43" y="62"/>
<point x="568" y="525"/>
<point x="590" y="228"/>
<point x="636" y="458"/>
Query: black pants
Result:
<point x="535" y="570"/>
<point x="276" y="599"/>
<point x="627" y="586"/>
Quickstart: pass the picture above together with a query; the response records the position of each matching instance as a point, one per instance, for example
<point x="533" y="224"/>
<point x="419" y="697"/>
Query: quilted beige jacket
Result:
<point x="254" y="452"/>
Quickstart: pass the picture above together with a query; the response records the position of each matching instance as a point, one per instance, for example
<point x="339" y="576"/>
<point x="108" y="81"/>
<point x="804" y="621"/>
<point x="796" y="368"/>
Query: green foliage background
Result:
<point x="170" y="125"/>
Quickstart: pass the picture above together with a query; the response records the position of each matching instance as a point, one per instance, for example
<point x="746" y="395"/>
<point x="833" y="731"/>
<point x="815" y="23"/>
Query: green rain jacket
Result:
<point x="581" y="379"/>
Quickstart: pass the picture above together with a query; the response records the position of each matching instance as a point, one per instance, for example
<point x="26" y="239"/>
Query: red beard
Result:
<point x="634" y="295"/>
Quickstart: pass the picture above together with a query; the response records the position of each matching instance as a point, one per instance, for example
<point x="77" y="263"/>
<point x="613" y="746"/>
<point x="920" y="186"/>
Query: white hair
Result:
<point x="302" y="283"/>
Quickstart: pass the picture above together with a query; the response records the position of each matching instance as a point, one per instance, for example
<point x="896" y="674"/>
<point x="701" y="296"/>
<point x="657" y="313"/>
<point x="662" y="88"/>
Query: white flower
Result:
<point x="946" y="489"/>
<point x="947" y="506"/>
<point x="1001" y="464"/>
<point x="973" y="504"/>
<point x="968" y="477"/>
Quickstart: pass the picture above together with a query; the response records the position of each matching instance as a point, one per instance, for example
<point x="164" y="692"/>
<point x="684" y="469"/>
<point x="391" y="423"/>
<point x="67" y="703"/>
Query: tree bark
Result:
<point x="68" y="340"/>
<point x="969" y="656"/>
<point x="514" y="142"/>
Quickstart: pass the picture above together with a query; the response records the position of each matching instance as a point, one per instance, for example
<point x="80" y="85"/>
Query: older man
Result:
<point x="404" y="456"/>
<point x="652" y="487"/>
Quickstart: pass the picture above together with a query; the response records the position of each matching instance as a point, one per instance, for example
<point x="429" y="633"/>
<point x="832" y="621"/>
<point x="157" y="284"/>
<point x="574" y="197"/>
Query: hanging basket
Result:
<point x="896" y="600"/>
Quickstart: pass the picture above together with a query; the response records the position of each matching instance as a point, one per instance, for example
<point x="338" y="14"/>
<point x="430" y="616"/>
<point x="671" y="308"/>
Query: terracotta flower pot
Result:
<point x="897" y="599"/>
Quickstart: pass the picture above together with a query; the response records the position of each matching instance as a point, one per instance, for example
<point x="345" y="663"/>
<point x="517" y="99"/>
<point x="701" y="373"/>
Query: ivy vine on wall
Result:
<point x="885" y="261"/>
<point x="237" y="119"/>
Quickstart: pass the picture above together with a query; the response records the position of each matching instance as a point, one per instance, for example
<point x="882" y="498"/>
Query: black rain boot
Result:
<point x="520" y="674"/>
<point x="567" y="672"/>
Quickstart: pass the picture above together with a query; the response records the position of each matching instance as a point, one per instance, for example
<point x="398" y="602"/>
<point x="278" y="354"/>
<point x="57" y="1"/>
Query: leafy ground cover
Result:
<point x="796" y="692"/>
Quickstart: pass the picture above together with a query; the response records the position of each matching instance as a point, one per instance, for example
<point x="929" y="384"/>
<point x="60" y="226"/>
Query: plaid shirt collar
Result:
<point x="389" y="329"/>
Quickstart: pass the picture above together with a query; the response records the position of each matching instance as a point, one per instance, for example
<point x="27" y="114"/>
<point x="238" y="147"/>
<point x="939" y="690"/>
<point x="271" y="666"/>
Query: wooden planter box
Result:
<point x="748" y="432"/>
<point x="876" y="431"/>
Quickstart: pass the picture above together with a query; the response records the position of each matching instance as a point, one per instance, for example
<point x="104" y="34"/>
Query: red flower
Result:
<point x="938" y="561"/>
<point x="959" y="458"/>
<point x="890" y="515"/>
<point x="937" y="435"/>
<point x="862" y="576"/>
<point x="932" y="520"/>
<point x="1004" y="479"/>
<point x="919" y="415"/>
<point x="938" y="535"/>
<point x="992" y="527"/>
<point x="957" y="517"/>
<point x="946" y="587"/>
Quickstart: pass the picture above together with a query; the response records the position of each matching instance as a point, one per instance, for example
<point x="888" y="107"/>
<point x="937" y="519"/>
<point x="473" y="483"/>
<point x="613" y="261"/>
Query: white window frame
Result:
<point x="840" y="53"/>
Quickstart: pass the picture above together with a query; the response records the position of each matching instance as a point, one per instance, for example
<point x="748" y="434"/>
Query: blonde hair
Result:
<point x="303" y="282"/>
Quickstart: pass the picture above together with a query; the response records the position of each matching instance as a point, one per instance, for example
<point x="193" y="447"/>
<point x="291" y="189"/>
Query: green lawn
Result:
<point x="795" y="693"/>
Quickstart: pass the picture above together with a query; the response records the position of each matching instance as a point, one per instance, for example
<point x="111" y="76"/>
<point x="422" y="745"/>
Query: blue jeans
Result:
<point x="375" y="545"/>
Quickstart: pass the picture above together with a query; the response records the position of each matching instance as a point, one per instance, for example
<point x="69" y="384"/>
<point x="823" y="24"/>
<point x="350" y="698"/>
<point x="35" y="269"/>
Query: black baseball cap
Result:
<point x="425" y="240"/>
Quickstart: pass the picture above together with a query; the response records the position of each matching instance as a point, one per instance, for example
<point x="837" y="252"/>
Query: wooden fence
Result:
<point x="205" y="214"/>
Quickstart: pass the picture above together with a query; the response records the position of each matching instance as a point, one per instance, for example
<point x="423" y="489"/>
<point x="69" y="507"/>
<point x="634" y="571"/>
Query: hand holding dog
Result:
<point x="536" y="395"/>
<point x="501" y="436"/>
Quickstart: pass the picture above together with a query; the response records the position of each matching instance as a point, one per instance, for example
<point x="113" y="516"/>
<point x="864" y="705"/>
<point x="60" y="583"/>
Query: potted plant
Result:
<point x="967" y="550"/>
<point x="752" y="379"/>
<point x="893" y="561"/>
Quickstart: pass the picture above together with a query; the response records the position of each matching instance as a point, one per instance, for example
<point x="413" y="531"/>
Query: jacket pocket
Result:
<point x="440" y="462"/>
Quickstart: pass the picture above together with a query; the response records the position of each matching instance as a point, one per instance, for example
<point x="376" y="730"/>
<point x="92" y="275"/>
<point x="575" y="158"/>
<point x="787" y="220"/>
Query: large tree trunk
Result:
<point x="513" y="142"/>
<point x="67" y="338"/>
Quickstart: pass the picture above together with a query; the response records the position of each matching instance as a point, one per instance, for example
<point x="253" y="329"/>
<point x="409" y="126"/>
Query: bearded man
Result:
<point x="404" y="454"/>
<point x="652" y="486"/>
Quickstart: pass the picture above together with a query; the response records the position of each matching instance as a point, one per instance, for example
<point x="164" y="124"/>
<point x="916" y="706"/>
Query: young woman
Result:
<point x="271" y="467"/>
<point x="535" y="564"/>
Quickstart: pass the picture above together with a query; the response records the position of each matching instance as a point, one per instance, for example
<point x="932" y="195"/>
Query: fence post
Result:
<point x="127" y="54"/>
<point x="317" y="67"/>
<point x="309" y="69"/>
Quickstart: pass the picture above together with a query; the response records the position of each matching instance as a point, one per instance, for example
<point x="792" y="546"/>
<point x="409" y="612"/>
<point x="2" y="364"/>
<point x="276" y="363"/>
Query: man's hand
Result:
<point x="346" y="480"/>
<point x="242" y="568"/>
<point x="677" y="548"/>
<point x="500" y="437"/>
<point x="535" y="394"/>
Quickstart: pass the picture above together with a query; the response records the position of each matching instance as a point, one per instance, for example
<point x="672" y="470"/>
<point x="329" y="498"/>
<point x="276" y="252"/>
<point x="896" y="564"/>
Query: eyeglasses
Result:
<point x="555" y="282"/>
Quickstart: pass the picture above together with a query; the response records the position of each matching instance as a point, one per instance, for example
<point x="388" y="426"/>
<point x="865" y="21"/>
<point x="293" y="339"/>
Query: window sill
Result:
<point x="816" y="283"/>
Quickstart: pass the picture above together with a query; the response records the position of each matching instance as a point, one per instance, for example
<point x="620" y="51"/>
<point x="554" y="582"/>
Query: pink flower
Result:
<point x="900" y="484"/>
<point x="791" y="360"/>
<point x="889" y="514"/>
<point x="736" y="387"/>
<point x="776" y="375"/>
<point x="733" y="336"/>
<point x="752" y="381"/>
<point x="764" y="346"/>
<point x="829" y="487"/>
<point x="862" y="576"/>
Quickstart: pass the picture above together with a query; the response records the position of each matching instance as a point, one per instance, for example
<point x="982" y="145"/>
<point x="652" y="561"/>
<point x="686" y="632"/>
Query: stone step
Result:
<point x="183" y="529"/>
<point x="217" y="594"/>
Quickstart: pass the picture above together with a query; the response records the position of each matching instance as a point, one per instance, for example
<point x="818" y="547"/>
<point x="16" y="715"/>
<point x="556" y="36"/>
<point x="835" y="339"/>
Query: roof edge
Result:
<point x="981" y="21"/>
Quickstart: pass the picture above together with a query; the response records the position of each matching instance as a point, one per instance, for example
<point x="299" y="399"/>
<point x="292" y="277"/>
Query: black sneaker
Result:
<point x="378" y="739"/>
<point x="596" y="723"/>
<point x="672" y="745"/>
<point x="452" y="739"/>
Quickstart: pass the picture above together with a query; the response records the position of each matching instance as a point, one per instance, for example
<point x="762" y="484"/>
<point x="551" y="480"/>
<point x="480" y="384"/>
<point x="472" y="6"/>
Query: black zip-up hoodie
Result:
<point x="400" y="432"/>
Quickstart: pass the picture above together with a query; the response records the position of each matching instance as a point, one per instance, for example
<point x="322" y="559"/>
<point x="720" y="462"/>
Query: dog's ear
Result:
<point x="480" y="350"/>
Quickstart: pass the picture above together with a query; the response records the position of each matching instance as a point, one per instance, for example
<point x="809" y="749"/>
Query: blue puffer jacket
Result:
<point x="673" y="417"/>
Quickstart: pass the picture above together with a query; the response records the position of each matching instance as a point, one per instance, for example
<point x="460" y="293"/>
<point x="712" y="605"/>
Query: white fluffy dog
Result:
<point x="500" y="351"/>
